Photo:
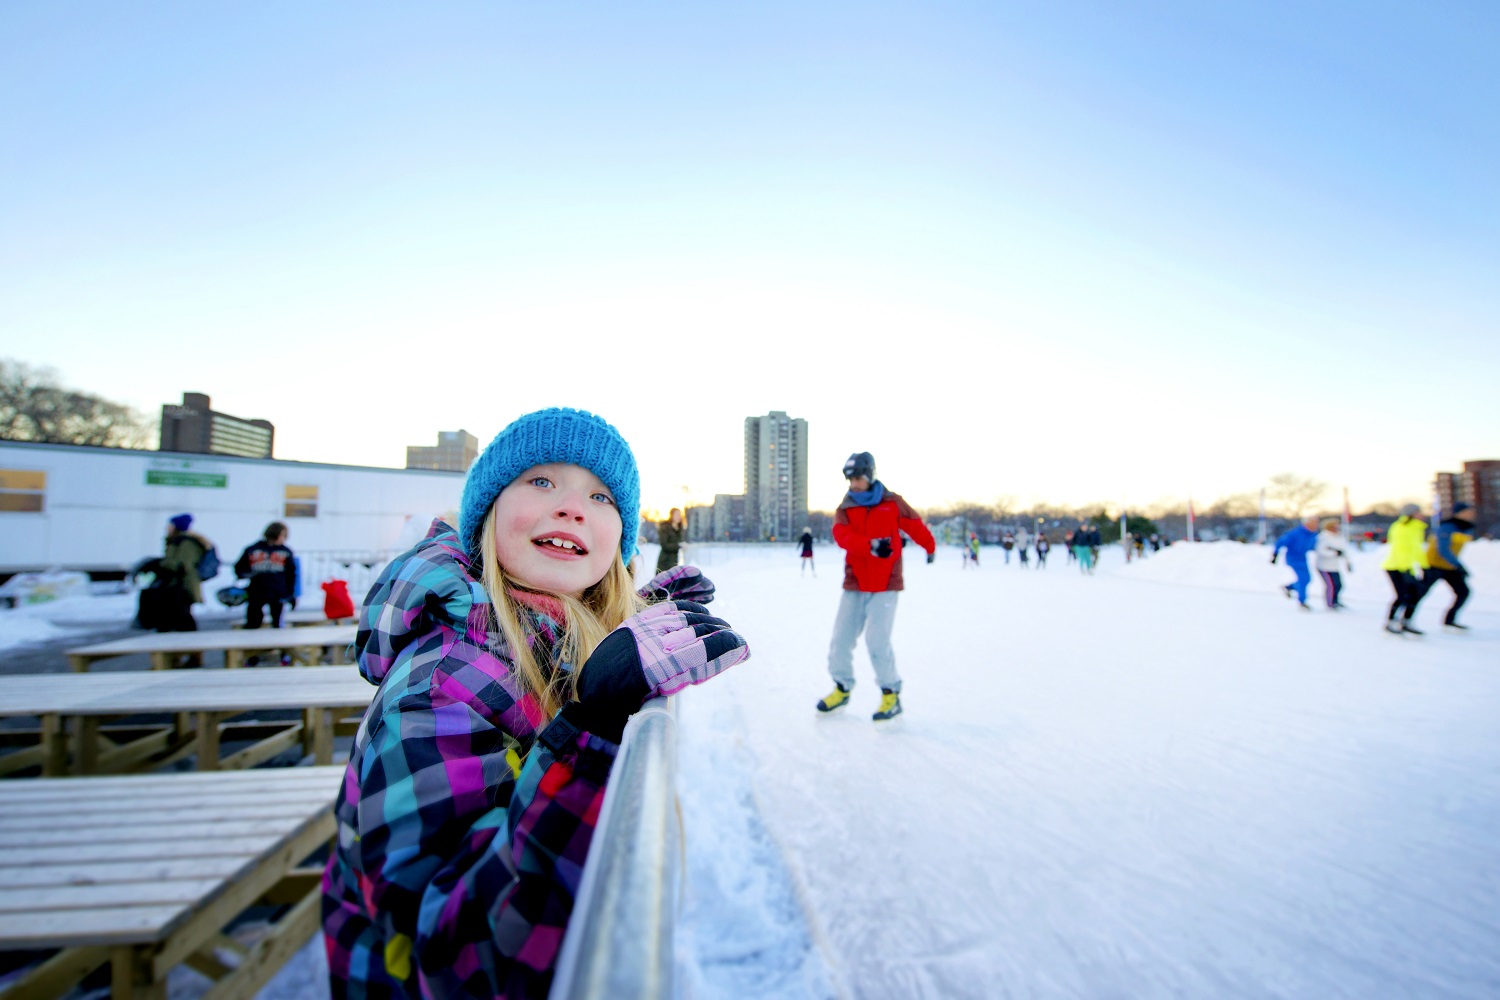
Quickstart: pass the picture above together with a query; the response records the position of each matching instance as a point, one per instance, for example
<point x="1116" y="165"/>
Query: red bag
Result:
<point x="336" y="601"/>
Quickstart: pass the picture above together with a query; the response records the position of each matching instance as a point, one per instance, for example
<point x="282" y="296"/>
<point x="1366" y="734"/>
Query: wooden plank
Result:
<point x="19" y="760"/>
<point x="40" y="899"/>
<point x="264" y="750"/>
<point x="167" y="835"/>
<point x="176" y="809"/>
<point x="108" y="926"/>
<point x="120" y="872"/>
<point x="145" y="786"/>
<point x="104" y="851"/>
<point x="244" y="640"/>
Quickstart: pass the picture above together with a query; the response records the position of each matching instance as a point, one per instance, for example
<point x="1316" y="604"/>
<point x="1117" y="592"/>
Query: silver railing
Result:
<point x="619" y="940"/>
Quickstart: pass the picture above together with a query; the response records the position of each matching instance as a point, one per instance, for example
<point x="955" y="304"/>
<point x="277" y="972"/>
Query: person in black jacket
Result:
<point x="272" y="573"/>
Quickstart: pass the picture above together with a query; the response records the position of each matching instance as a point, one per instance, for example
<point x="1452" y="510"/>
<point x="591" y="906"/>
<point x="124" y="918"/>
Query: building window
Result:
<point x="301" y="501"/>
<point x="22" y="491"/>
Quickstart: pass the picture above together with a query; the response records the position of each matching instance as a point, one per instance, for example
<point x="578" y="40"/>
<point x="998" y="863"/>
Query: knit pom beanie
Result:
<point x="181" y="522"/>
<point x="575" y="437"/>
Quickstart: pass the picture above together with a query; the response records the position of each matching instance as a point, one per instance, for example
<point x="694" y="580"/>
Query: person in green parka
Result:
<point x="179" y="575"/>
<point x="669" y="533"/>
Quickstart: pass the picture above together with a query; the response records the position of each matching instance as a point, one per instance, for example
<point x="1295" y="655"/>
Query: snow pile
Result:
<point x="39" y="588"/>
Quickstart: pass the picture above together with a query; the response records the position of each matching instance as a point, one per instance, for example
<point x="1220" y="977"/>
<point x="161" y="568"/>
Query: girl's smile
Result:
<point x="557" y="529"/>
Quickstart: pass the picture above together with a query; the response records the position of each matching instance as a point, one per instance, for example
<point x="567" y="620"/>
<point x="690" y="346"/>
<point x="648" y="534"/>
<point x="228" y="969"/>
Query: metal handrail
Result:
<point x="619" y="939"/>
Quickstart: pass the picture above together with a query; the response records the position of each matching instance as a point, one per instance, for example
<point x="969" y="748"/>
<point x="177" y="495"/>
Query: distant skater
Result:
<point x="669" y="534"/>
<point x="807" y="554"/>
<point x="1023" y="547"/>
<point x="1068" y="538"/>
<point x="1443" y="565"/>
<point x="1332" y="551"/>
<point x="974" y="549"/>
<point x="1298" y="543"/>
<point x="1405" y="559"/>
<point x="1083" y="548"/>
<point x="1042" y="548"/>
<point x="868" y="526"/>
<point x="1007" y="542"/>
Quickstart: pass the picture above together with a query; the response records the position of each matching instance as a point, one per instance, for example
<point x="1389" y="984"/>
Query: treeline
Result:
<point x="35" y="407"/>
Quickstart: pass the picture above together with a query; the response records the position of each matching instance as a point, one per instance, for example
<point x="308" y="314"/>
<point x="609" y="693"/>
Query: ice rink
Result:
<point x="1164" y="780"/>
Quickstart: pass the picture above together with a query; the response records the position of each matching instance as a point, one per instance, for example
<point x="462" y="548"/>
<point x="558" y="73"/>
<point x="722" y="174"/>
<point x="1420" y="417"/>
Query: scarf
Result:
<point x="870" y="497"/>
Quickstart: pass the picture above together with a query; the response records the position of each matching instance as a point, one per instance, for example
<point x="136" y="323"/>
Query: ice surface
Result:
<point x="1162" y="780"/>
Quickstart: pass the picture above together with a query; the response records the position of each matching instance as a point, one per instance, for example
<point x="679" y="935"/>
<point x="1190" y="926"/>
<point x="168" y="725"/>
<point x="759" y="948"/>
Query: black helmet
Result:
<point x="861" y="463"/>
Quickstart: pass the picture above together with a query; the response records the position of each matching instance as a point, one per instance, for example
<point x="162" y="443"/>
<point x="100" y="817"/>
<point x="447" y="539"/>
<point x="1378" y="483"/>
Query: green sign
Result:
<point x="170" y="477"/>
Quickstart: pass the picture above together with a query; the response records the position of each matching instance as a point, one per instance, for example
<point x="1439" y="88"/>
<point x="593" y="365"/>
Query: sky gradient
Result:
<point x="1075" y="254"/>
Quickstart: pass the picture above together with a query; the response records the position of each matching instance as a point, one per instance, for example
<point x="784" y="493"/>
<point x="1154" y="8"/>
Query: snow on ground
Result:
<point x="1162" y="780"/>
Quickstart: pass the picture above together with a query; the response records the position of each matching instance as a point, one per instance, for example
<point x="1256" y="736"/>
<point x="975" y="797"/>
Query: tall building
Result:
<point x="1479" y="486"/>
<point x="196" y="428"/>
<point x="455" y="452"/>
<point x="775" y="476"/>
<point x="728" y="517"/>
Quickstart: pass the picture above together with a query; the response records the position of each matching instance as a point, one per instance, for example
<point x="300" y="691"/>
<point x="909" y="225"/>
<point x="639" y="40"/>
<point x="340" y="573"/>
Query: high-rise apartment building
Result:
<point x="1478" y="486"/>
<point x="455" y="452"/>
<point x="775" y="476"/>
<point x="196" y="428"/>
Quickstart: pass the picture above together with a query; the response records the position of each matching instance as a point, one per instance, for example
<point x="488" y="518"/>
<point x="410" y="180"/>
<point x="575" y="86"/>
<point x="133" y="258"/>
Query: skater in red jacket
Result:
<point x="868" y="527"/>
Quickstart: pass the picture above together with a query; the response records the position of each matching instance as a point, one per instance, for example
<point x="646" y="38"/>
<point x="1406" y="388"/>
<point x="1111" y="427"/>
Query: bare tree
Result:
<point x="1295" y="493"/>
<point x="34" y="407"/>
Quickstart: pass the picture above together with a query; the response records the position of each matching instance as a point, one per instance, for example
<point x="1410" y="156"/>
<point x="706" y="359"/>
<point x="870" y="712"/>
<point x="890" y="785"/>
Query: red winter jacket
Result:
<point x="855" y="526"/>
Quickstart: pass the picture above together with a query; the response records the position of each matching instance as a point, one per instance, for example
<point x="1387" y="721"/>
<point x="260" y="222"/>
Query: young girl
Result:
<point x="806" y="541"/>
<point x="509" y="654"/>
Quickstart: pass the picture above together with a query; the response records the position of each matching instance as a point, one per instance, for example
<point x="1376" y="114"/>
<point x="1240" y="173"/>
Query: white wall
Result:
<point x="100" y="513"/>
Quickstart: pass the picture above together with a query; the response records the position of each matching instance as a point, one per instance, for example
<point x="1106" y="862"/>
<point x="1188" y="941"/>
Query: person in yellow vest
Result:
<point x="1447" y="541"/>
<point x="1405" y="559"/>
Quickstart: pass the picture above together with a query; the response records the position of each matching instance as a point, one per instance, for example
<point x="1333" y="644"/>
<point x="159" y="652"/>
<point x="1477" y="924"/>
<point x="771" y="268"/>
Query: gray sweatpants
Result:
<point x="874" y="614"/>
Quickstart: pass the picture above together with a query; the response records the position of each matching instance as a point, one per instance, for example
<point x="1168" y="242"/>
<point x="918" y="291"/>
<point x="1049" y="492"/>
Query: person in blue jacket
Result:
<point x="1299" y="543"/>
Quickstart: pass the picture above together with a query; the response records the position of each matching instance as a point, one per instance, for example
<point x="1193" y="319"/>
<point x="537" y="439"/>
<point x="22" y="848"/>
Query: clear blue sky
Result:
<point x="1072" y="251"/>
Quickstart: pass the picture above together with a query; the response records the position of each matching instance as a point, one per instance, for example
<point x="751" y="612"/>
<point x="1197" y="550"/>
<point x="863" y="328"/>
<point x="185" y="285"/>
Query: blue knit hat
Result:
<point x="181" y="522"/>
<point x="575" y="437"/>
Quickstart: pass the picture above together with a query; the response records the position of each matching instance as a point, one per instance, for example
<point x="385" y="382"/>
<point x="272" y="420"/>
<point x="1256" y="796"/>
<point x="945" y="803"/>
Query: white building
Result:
<point x="102" y="510"/>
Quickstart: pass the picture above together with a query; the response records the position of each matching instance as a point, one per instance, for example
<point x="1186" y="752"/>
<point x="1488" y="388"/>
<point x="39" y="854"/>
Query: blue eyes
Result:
<point x="542" y="482"/>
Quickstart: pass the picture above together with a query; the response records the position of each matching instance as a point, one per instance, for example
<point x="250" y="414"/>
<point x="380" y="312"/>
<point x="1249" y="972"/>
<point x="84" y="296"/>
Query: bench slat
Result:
<point x="120" y="872"/>
<point x="35" y="899"/>
<point x="165" y="836"/>
<point x="115" y="925"/>
<point x="99" y="851"/>
<point x="177" y="809"/>
<point x="143" y="787"/>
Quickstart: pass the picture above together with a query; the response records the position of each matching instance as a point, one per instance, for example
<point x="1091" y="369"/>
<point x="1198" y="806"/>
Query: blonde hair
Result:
<point x="588" y="620"/>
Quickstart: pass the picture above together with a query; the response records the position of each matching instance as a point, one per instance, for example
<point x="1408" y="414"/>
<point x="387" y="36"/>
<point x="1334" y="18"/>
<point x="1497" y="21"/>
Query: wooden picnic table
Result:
<point x="165" y="647"/>
<point x="72" y="708"/>
<point x="147" y="872"/>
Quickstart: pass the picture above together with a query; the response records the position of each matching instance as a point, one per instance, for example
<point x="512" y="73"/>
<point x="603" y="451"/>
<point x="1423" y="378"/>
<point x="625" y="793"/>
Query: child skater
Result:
<point x="509" y="655"/>
<point x="806" y="541"/>
<point x="1329" y="554"/>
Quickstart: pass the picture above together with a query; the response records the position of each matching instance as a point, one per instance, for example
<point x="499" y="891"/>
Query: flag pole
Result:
<point x="1261" y="527"/>
<point x="1192" y="534"/>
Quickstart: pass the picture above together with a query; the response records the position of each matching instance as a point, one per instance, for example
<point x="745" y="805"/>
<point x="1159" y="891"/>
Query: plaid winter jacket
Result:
<point x="461" y="837"/>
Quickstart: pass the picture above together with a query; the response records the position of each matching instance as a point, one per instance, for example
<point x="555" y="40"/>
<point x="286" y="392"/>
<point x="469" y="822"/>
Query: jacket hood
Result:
<point x="434" y="585"/>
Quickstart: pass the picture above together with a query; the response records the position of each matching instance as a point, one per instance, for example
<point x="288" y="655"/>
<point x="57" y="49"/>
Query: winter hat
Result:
<point x="1461" y="508"/>
<point x="575" y="437"/>
<point x="1410" y="509"/>
<point x="181" y="522"/>
<point x="861" y="463"/>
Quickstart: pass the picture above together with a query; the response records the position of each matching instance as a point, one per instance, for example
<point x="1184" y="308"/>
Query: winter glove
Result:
<point x="658" y="651"/>
<point x="880" y="548"/>
<point x="1273" y="557"/>
<point x="932" y="557"/>
<point x="685" y="583"/>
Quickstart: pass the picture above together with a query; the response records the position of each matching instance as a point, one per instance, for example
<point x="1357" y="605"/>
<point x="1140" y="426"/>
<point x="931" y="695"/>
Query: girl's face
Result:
<point x="557" y="529"/>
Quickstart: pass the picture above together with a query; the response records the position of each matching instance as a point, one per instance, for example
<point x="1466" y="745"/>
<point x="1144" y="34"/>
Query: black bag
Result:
<point x="153" y="608"/>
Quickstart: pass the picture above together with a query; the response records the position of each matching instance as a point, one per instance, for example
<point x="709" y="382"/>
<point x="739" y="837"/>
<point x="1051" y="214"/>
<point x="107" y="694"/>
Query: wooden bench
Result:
<point x="72" y="709"/>
<point x="147" y="873"/>
<point x="165" y="648"/>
